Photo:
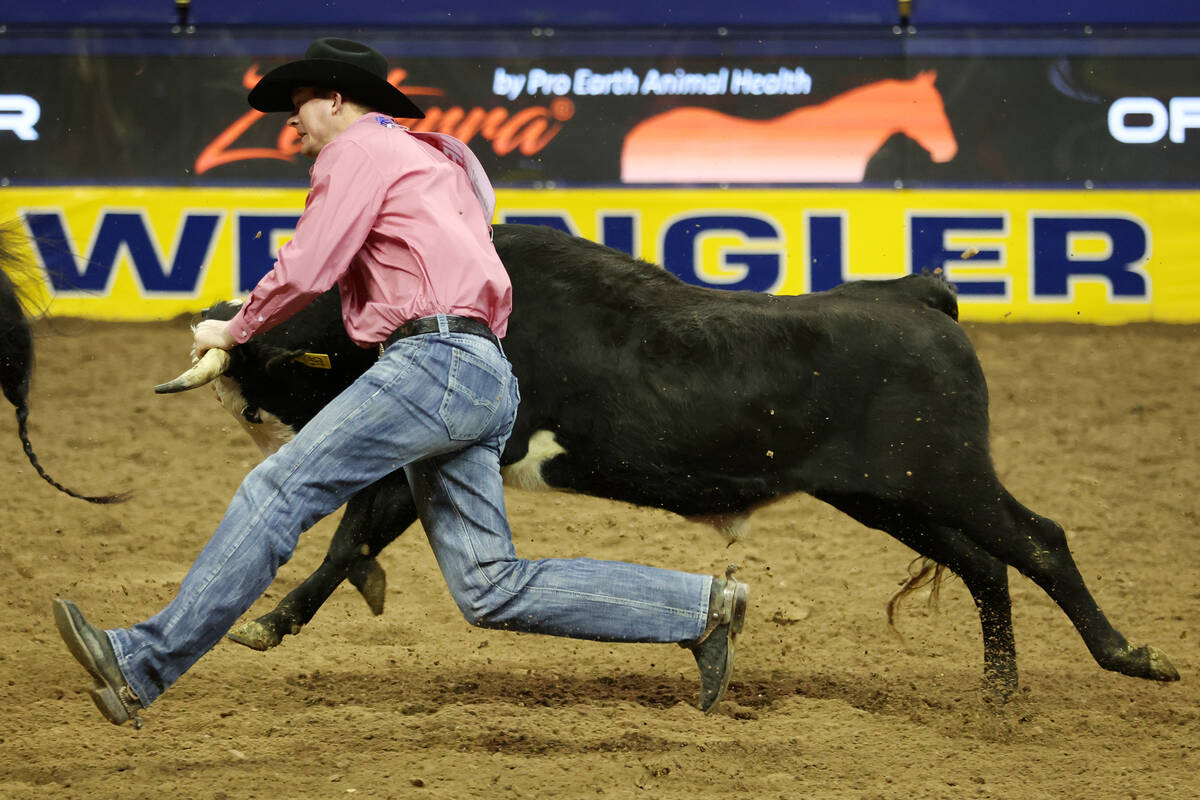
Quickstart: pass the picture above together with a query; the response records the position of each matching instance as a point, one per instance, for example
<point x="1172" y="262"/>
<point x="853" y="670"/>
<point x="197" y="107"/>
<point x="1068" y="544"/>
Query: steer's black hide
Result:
<point x="708" y="403"/>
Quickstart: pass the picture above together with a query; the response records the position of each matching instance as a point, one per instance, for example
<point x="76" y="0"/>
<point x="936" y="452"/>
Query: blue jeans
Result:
<point x="440" y="406"/>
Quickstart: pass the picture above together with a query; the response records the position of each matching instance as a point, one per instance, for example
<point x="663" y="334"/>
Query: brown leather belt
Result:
<point x="415" y="327"/>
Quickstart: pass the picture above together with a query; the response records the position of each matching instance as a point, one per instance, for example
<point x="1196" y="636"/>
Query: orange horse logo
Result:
<point x="826" y="143"/>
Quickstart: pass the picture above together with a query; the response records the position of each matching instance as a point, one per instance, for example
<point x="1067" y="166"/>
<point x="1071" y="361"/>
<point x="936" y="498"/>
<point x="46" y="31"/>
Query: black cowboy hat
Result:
<point x="352" y="68"/>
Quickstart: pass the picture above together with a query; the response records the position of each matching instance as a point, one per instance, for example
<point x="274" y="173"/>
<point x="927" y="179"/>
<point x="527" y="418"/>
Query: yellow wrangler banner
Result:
<point x="1093" y="256"/>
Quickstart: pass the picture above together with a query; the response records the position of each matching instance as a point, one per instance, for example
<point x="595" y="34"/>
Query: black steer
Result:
<point x="16" y="367"/>
<point x="640" y="388"/>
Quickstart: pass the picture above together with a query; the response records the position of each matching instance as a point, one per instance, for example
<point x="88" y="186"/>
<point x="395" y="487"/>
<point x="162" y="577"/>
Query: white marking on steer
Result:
<point x="270" y="435"/>
<point x="527" y="473"/>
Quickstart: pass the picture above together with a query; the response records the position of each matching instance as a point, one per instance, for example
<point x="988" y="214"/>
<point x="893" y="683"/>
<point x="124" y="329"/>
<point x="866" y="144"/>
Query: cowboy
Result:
<point x="400" y="221"/>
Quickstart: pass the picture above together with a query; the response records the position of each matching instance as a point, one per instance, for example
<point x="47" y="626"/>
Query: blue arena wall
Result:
<point x="464" y="13"/>
<point x="613" y="13"/>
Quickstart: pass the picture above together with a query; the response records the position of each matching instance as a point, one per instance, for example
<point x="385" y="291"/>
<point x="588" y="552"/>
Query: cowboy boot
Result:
<point x="714" y="649"/>
<point x="91" y="648"/>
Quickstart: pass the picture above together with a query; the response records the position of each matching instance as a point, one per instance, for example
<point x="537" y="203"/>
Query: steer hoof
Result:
<point x="254" y="635"/>
<point x="1161" y="668"/>
<point x="999" y="686"/>
<point x="371" y="581"/>
<point x="1143" y="662"/>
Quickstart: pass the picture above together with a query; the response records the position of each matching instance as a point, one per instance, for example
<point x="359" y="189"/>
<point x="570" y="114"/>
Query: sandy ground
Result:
<point x="1094" y="427"/>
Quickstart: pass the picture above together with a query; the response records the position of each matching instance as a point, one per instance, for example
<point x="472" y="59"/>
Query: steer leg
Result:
<point x="372" y="520"/>
<point x="995" y="522"/>
<point x="985" y="576"/>
<point x="1037" y="547"/>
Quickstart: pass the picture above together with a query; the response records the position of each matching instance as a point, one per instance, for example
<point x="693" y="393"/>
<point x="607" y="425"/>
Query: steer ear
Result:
<point x="280" y="358"/>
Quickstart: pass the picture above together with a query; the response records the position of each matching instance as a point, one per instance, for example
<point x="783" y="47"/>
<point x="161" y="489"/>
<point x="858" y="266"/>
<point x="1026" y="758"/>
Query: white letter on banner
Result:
<point x="507" y="85"/>
<point x="1122" y="108"/>
<point x="19" y="113"/>
<point x="1185" y="113"/>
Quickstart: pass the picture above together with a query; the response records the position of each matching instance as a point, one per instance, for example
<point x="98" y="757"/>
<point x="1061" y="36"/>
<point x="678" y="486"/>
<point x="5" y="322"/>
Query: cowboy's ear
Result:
<point x="338" y="100"/>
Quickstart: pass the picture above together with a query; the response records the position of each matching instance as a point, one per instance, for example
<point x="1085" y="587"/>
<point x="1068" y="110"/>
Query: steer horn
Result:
<point x="211" y="365"/>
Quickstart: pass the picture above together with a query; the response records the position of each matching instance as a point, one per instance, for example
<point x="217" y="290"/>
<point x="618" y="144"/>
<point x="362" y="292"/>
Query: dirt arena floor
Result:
<point x="1095" y="427"/>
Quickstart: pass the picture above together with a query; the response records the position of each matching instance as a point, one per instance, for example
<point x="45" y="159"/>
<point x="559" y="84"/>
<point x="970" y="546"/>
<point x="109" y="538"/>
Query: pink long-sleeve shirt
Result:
<point x="398" y="226"/>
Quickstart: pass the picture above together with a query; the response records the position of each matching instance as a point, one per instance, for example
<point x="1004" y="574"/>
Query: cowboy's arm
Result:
<point x="345" y="199"/>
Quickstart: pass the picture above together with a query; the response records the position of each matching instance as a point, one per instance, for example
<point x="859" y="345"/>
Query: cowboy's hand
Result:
<point x="212" y="334"/>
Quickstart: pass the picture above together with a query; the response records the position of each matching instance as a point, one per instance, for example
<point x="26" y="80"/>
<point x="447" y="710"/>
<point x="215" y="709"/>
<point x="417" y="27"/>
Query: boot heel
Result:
<point x="113" y="709"/>
<point x="741" y="599"/>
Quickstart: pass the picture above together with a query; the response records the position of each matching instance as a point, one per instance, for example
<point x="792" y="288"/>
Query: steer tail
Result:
<point x="941" y="295"/>
<point x="921" y="572"/>
<point x="23" y="430"/>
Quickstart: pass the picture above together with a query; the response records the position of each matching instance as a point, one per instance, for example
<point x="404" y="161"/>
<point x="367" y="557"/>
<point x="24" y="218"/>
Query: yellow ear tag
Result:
<point x="314" y="360"/>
